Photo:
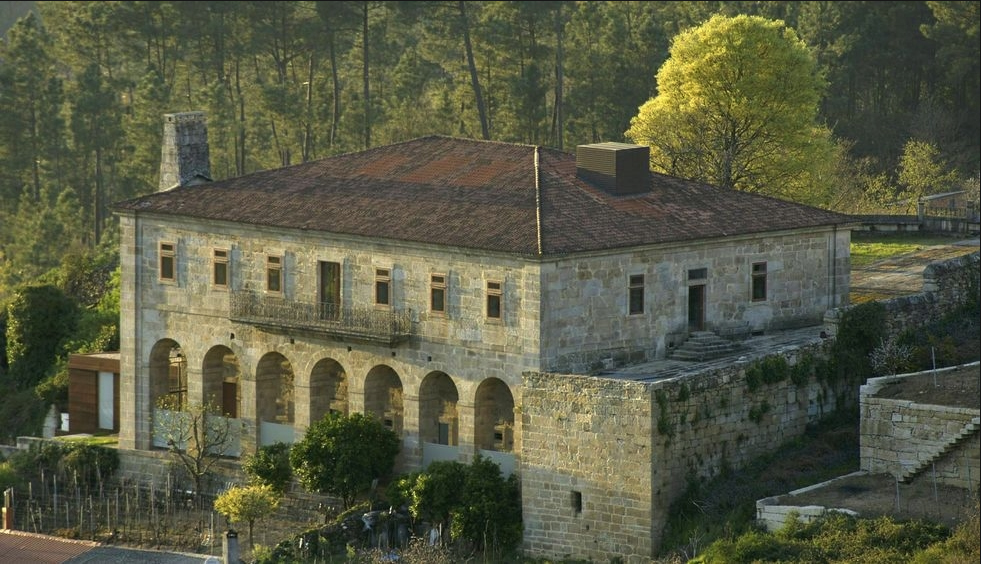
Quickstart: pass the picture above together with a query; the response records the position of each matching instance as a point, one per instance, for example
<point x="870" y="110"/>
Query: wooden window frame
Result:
<point x="220" y="261"/>
<point x="383" y="287"/>
<point x="167" y="251"/>
<point x="635" y="294"/>
<point x="437" y="294"/>
<point x="494" y="301"/>
<point x="274" y="264"/>
<point x="758" y="287"/>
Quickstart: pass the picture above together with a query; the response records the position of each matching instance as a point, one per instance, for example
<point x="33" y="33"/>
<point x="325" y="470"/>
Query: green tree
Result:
<point x="32" y="132"/>
<point x="39" y="320"/>
<point x="489" y="514"/>
<point x="249" y="504"/>
<point x="270" y="465"/>
<point x="437" y="491"/>
<point x="737" y="107"/>
<point x="922" y="172"/>
<point x="341" y="455"/>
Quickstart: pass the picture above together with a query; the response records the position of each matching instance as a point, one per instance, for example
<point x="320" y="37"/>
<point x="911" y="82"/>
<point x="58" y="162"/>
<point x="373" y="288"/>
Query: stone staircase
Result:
<point x="704" y="345"/>
<point x="968" y="430"/>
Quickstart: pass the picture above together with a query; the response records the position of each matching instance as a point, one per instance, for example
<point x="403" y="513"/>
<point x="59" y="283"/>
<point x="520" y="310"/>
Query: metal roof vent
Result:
<point x="618" y="168"/>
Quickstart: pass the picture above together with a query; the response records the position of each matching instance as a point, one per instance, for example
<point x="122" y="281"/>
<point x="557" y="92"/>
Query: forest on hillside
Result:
<point x="84" y="87"/>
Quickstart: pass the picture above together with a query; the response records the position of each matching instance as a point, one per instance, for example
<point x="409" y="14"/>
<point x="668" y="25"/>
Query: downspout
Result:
<point x="834" y="265"/>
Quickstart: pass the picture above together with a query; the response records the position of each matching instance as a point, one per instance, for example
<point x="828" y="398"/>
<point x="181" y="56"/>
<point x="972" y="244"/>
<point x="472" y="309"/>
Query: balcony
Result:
<point x="389" y="327"/>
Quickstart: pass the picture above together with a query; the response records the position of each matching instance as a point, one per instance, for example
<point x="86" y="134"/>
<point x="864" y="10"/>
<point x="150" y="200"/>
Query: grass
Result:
<point x="869" y="248"/>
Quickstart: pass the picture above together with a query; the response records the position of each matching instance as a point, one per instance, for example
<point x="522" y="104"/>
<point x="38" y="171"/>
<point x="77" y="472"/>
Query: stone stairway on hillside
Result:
<point x="704" y="345"/>
<point x="968" y="430"/>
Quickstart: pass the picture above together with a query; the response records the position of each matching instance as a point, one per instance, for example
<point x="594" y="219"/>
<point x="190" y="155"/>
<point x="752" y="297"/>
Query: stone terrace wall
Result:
<point x="626" y="449"/>
<point x="947" y="285"/>
<point x="899" y="436"/>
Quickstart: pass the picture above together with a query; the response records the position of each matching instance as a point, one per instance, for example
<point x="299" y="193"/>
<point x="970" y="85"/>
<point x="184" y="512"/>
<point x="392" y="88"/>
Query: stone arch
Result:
<point x="383" y="397"/>
<point x="494" y="416"/>
<point x="275" y="402"/>
<point x="222" y="379"/>
<point x="328" y="389"/>
<point x="168" y="373"/>
<point x="438" y="414"/>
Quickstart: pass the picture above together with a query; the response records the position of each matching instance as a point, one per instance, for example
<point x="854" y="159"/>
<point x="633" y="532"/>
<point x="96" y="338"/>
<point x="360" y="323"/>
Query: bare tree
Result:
<point x="196" y="434"/>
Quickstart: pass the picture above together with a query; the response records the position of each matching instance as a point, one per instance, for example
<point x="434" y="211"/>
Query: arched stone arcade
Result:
<point x="328" y="389"/>
<point x="383" y="397"/>
<point x="494" y="416"/>
<point x="275" y="402"/>
<point x="222" y="381"/>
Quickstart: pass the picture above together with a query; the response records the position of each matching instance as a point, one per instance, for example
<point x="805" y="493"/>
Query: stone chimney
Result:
<point x="618" y="168"/>
<point x="184" y="156"/>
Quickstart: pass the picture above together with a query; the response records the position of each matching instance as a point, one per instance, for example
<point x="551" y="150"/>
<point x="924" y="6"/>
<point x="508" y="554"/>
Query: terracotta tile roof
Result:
<point x="479" y="195"/>
<point x="18" y="547"/>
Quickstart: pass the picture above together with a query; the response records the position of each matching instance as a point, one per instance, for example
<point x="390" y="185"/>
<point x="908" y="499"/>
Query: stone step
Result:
<point x="703" y="345"/>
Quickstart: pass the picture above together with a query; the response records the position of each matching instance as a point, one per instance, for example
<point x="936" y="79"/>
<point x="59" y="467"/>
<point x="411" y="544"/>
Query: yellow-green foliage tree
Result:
<point x="248" y="504"/>
<point x="922" y="172"/>
<point x="736" y="106"/>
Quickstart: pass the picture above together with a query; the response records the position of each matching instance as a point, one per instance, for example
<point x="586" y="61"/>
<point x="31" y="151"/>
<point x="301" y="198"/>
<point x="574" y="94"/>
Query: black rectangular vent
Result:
<point x="618" y="168"/>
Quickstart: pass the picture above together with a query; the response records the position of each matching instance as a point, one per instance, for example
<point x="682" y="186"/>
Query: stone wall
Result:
<point x="603" y="459"/>
<point x="904" y="438"/>
<point x="585" y="319"/>
<point x="462" y="345"/>
<point x="947" y="285"/>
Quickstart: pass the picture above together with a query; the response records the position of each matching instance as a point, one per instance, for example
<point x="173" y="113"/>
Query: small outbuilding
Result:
<point x="93" y="392"/>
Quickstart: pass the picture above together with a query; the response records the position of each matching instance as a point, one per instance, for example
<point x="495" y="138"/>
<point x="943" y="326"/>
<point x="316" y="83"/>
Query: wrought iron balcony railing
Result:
<point x="356" y="323"/>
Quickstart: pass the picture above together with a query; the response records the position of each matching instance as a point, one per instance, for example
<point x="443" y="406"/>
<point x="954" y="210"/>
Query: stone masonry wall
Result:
<point x="628" y="448"/>
<point x="900" y="436"/>
<point x="587" y="467"/>
<point x="947" y="285"/>
<point x="585" y="299"/>
<point x="193" y="313"/>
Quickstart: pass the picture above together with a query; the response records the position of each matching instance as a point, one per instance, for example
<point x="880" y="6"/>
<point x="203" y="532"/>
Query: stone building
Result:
<point x="420" y="281"/>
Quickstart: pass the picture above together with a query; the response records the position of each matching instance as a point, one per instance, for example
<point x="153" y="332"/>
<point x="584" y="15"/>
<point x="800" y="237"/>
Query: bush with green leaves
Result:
<point x="837" y="537"/>
<point x="39" y="321"/>
<point x="489" y="514"/>
<point x="248" y="504"/>
<point x="342" y="455"/>
<point x="860" y="330"/>
<point x="8" y="476"/>
<point x="270" y="465"/>
<point x="39" y="459"/>
<point x="90" y="465"/>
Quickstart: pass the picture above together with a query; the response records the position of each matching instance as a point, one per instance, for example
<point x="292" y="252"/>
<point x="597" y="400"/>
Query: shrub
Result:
<point x="270" y="465"/>
<point x="91" y="465"/>
<point x="489" y="517"/>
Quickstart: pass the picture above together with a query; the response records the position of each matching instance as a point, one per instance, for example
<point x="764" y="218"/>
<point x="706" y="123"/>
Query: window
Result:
<point x="274" y="274"/>
<point x="383" y="283"/>
<point x="168" y="261"/>
<point x="219" y="273"/>
<point x="697" y="274"/>
<point x="577" y="502"/>
<point x="494" y="300"/>
<point x="329" y="289"/>
<point x="759" y="281"/>
<point x="437" y="294"/>
<point x="636" y="291"/>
